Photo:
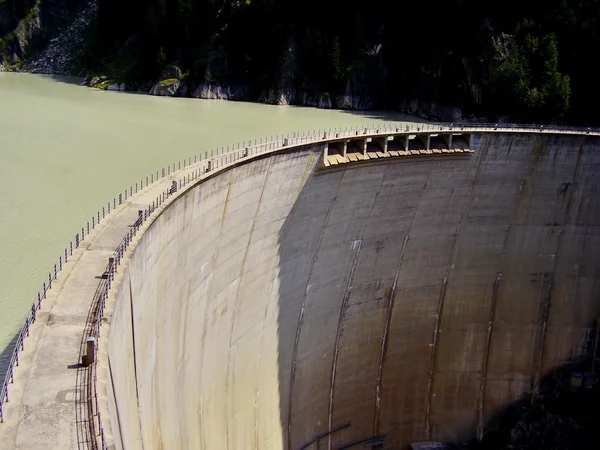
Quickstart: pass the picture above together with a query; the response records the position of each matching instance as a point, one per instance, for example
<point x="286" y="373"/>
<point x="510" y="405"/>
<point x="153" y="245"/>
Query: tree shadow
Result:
<point x="564" y="414"/>
<point x="386" y="115"/>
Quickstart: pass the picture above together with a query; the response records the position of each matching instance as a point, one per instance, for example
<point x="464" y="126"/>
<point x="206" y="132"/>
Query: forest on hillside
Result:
<point x="529" y="62"/>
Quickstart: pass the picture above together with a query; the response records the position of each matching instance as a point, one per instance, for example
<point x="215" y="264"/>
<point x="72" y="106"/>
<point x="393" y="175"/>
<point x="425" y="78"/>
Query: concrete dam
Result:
<point x="286" y="302"/>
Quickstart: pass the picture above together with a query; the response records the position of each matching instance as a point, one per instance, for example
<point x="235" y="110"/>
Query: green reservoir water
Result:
<point x="66" y="150"/>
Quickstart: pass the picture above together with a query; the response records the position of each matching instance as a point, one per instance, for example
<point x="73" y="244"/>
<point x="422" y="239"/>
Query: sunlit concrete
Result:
<point x="410" y="298"/>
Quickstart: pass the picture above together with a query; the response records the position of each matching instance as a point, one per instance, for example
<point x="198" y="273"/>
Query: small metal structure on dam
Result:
<point x="344" y="289"/>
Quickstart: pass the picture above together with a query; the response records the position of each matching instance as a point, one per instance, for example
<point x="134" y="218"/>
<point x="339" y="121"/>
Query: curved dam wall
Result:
<point x="413" y="299"/>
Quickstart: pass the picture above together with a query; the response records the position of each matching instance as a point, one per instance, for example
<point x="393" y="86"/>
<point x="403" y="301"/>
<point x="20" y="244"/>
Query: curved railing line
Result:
<point x="219" y="157"/>
<point x="85" y="231"/>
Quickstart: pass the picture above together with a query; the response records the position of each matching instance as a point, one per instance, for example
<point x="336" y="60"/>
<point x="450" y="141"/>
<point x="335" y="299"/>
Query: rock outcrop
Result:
<point x="49" y="39"/>
<point x="218" y="92"/>
<point x="165" y="88"/>
<point x="170" y="82"/>
<point x="66" y="48"/>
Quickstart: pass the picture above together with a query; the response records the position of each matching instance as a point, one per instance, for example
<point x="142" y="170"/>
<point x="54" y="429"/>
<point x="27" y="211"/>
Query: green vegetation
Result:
<point x="168" y="81"/>
<point x="490" y="59"/>
<point x="3" y="49"/>
<point x="527" y="77"/>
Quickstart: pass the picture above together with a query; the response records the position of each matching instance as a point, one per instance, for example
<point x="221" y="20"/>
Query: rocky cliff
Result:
<point x="44" y="36"/>
<point x="455" y="59"/>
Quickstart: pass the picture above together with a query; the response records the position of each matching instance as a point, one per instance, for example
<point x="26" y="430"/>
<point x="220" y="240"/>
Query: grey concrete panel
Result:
<point x="275" y="302"/>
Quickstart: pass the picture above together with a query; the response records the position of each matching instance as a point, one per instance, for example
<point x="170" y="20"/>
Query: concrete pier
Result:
<point x="405" y="143"/>
<point x="282" y="302"/>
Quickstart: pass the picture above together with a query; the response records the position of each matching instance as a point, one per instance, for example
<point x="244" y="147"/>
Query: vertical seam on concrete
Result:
<point x="451" y="260"/>
<point x="337" y="340"/>
<point x="116" y="407"/>
<point x="494" y="299"/>
<point x="135" y="375"/>
<point x="486" y="355"/>
<point x="236" y="301"/>
<point x="191" y="193"/>
<point x="262" y="334"/>
<point x="301" y="316"/>
<point x="306" y="173"/>
<point x="384" y="338"/>
<point x="343" y="309"/>
<point x="214" y="257"/>
<point x="546" y="306"/>
<point x="308" y="166"/>
<point x="432" y="358"/>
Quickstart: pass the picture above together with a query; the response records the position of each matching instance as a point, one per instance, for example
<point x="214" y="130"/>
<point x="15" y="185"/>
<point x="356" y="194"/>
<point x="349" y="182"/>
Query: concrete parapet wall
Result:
<point x="411" y="299"/>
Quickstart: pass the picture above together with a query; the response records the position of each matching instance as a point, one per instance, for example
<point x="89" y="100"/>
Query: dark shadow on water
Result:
<point x="389" y="116"/>
<point x="79" y="81"/>
<point x="395" y="116"/>
<point x="76" y="81"/>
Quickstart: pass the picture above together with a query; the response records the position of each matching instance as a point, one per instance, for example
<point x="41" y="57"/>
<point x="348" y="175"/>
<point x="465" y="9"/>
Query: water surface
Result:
<point x="65" y="150"/>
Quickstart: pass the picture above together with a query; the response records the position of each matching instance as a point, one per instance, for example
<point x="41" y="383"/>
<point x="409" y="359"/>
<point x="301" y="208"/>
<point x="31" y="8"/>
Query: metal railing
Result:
<point x="214" y="159"/>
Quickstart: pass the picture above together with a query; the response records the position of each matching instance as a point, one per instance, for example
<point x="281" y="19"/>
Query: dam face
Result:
<point x="411" y="300"/>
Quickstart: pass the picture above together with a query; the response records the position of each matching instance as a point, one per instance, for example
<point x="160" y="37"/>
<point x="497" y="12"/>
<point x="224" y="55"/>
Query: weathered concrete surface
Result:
<point x="44" y="400"/>
<point x="409" y="298"/>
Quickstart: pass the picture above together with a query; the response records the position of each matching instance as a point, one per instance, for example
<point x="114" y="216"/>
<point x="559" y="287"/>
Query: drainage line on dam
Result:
<point x="572" y="186"/>
<point x="432" y="358"/>
<point x="343" y="308"/>
<point x="303" y="307"/>
<point x="495" y="291"/>
<point x="384" y="338"/>
<point x="486" y="356"/>
<point x="451" y="260"/>
<point x="236" y="303"/>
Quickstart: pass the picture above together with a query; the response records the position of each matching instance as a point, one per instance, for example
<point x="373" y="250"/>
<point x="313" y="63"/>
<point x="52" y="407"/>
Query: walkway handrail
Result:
<point x="214" y="159"/>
